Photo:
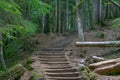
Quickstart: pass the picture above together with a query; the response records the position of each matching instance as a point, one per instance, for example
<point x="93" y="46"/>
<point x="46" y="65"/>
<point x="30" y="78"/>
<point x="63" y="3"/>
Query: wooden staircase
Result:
<point x="56" y="66"/>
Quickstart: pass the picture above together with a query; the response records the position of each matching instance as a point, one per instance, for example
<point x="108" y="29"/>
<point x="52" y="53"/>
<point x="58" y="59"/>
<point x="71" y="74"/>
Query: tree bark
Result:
<point x="67" y="14"/>
<point x="46" y="17"/>
<point x="57" y="15"/>
<point x="99" y="44"/>
<point x="106" y="67"/>
<point x="107" y="70"/>
<point x="95" y="11"/>
<point x="104" y="63"/>
<point x="1" y="54"/>
<point x="100" y="11"/>
<point x="79" y="22"/>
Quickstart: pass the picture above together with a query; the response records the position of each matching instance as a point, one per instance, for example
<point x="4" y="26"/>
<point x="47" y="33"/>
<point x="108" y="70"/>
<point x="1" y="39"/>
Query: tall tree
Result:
<point x="46" y="19"/>
<point x="79" y="22"/>
<point x="67" y="14"/>
<point x="57" y="15"/>
<point x="95" y="4"/>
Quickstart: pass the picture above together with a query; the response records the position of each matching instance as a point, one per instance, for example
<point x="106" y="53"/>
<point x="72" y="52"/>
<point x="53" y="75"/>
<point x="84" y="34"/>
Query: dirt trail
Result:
<point x="54" y="62"/>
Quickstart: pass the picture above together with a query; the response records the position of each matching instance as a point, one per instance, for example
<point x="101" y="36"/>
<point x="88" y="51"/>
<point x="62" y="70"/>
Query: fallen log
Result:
<point x="98" y="44"/>
<point x="104" y="63"/>
<point x="108" y="70"/>
<point x="115" y="3"/>
<point x="106" y="67"/>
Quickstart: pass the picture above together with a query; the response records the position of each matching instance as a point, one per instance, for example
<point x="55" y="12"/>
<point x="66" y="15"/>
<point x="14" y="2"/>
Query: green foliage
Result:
<point x="116" y="23"/>
<point x="10" y="6"/>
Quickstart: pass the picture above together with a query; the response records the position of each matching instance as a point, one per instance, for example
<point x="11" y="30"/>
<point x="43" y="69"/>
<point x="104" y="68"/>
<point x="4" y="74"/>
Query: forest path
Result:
<point x="54" y="63"/>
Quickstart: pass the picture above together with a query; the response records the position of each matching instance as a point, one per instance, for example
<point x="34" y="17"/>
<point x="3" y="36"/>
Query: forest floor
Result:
<point x="44" y="42"/>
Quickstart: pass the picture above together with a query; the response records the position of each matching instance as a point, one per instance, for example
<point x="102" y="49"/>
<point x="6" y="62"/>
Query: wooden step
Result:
<point x="61" y="70"/>
<point x="50" y="65"/>
<point x="64" y="74"/>
<point x="52" y="54"/>
<point x="53" y="49"/>
<point x="56" y="67"/>
<point x="53" y="59"/>
<point x="64" y="78"/>
<point x="56" y="63"/>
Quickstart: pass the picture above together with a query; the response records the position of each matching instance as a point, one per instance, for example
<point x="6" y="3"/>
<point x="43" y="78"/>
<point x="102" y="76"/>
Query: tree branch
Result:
<point x="115" y="3"/>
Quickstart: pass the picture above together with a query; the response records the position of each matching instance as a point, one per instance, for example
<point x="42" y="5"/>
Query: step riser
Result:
<point x="63" y="79"/>
<point x="63" y="75"/>
<point x="61" y="67"/>
<point x="52" y="60"/>
<point x="61" y="71"/>
<point x="57" y="56"/>
<point x="52" y="54"/>
<point x="55" y="63"/>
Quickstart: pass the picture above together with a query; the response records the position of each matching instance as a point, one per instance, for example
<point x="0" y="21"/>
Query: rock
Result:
<point x="97" y="59"/>
<point x="83" y="61"/>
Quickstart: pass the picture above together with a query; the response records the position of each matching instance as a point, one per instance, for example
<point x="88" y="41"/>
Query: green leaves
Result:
<point x="10" y="6"/>
<point x="39" y="8"/>
<point x="116" y="23"/>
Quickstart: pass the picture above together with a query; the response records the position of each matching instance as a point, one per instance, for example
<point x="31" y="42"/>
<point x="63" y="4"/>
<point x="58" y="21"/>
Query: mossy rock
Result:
<point x="13" y="73"/>
<point x="87" y="74"/>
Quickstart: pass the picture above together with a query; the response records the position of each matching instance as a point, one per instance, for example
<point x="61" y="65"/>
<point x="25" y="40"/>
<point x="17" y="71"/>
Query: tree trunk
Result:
<point x="1" y="54"/>
<point x="67" y="14"/>
<point x="43" y="23"/>
<point x="46" y="28"/>
<point x="100" y="11"/>
<point x="99" y="44"/>
<point x="79" y="22"/>
<point x="90" y="23"/>
<point x="57" y="15"/>
<point x="95" y="11"/>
